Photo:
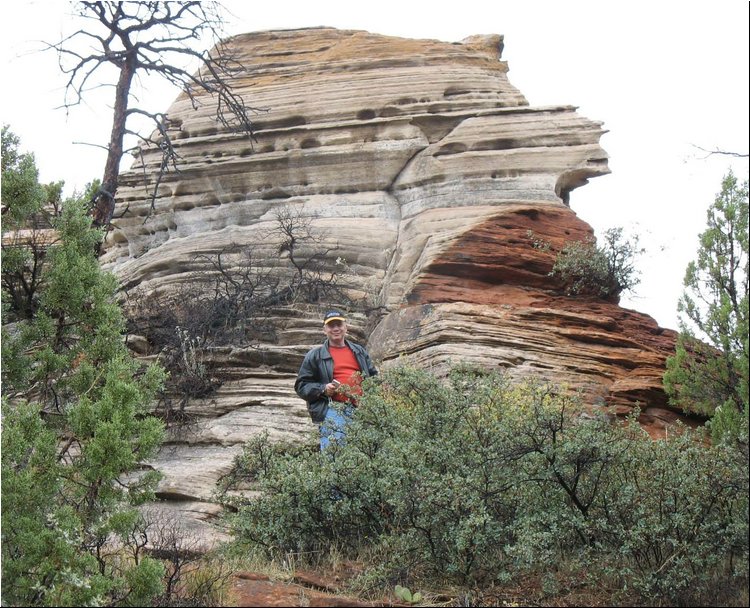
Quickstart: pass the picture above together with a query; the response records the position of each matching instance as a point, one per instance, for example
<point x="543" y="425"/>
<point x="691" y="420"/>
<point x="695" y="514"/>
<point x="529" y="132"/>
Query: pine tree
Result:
<point x="75" y="422"/>
<point x="709" y="372"/>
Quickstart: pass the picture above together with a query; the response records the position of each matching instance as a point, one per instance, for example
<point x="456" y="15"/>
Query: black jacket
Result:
<point x="317" y="370"/>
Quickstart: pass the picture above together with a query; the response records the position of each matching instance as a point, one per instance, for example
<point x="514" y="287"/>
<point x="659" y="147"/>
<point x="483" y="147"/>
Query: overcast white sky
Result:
<point x="663" y="77"/>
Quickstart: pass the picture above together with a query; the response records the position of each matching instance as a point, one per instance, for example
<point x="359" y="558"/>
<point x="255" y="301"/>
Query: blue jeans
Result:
<point x="333" y="427"/>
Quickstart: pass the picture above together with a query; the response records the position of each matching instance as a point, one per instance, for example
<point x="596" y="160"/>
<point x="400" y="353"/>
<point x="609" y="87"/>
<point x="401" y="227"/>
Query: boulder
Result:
<point x="428" y="177"/>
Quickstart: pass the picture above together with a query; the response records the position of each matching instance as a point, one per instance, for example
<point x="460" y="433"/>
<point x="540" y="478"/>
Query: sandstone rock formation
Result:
<point x="426" y="169"/>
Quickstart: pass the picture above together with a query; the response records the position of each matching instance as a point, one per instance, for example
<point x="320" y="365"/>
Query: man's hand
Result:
<point x="331" y="388"/>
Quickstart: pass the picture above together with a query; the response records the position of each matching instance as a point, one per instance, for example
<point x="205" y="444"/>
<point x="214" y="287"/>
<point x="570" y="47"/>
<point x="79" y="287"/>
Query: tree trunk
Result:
<point x="104" y="202"/>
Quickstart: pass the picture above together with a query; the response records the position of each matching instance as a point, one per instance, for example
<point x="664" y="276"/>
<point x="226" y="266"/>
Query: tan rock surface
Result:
<point x="426" y="169"/>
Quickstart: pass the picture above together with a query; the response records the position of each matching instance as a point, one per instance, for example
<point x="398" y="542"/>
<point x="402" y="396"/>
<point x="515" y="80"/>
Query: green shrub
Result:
<point x="472" y="480"/>
<point x="663" y="518"/>
<point x="410" y="476"/>
<point x="75" y="428"/>
<point x="587" y="269"/>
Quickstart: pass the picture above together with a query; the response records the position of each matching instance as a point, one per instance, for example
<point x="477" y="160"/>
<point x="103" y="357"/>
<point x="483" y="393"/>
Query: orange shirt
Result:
<point x="345" y="370"/>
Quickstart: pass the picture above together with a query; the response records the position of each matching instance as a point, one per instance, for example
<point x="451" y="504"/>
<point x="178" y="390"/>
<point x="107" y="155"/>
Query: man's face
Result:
<point x="335" y="331"/>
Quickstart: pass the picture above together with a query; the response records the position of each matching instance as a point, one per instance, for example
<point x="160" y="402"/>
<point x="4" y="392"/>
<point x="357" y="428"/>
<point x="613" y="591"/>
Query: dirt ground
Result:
<point x="305" y="589"/>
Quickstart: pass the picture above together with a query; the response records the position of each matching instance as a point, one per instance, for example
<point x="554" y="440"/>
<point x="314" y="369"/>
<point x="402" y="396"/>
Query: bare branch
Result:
<point x="85" y="143"/>
<point x="721" y="152"/>
<point x="149" y="38"/>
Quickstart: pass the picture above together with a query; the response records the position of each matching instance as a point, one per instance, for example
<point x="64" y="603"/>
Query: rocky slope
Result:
<point x="424" y="171"/>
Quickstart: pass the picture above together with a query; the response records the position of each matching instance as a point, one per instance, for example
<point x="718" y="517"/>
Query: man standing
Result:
<point x="333" y="371"/>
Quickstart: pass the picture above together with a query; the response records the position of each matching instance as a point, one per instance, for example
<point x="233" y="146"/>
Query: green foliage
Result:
<point x="23" y="200"/>
<point x="405" y="595"/>
<point x="662" y="517"/>
<point x="143" y="582"/>
<point x="473" y="480"/>
<point x="22" y="194"/>
<point x="74" y="424"/>
<point x="711" y="376"/>
<point x="587" y="269"/>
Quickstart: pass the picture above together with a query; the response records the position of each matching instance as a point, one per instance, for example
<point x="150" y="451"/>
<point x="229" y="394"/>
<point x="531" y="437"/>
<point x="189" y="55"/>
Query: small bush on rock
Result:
<point x="587" y="269"/>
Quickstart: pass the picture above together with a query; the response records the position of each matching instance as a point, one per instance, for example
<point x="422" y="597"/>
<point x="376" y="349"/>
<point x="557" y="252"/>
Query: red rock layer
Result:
<point x="489" y="298"/>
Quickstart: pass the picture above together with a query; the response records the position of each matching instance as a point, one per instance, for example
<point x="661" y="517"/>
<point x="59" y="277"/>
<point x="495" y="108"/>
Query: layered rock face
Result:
<point x="425" y="171"/>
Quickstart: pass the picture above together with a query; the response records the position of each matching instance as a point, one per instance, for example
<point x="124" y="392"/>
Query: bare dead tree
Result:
<point x="193" y="576"/>
<point x="307" y="251"/>
<point x="139" y="38"/>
